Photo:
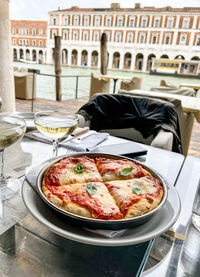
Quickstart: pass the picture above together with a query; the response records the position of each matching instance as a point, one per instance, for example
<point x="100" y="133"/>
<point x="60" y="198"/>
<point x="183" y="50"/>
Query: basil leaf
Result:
<point x="91" y="189"/>
<point x="80" y="168"/>
<point x="126" y="171"/>
<point x="136" y="190"/>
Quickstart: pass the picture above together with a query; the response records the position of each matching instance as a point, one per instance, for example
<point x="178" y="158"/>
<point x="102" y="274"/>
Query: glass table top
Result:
<point x="29" y="248"/>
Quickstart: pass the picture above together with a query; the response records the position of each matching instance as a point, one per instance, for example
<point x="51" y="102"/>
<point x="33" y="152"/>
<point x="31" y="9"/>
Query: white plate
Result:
<point x="155" y="226"/>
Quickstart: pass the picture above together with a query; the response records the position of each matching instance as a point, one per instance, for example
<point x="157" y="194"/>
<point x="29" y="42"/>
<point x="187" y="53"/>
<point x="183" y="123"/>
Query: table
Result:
<point x="30" y="249"/>
<point x="115" y="79"/>
<point x="189" y="103"/>
<point x="194" y="86"/>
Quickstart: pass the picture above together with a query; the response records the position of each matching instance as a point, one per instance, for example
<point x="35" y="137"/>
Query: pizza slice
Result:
<point x="122" y="169"/>
<point x="137" y="196"/>
<point x="72" y="170"/>
<point x="91" y="200"/>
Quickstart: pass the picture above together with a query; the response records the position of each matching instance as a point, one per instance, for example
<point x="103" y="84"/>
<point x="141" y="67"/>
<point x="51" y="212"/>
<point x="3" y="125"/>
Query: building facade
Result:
<point x="135" y="36"/>
<point x="29" y="40"/>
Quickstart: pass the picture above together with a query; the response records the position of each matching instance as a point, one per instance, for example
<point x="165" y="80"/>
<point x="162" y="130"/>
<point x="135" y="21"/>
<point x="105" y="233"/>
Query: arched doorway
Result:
<point x="116" y="60"/>
<point x="94" y="61"/>
<point x="179" y="57"/>
<point x="40" y="58"/>
<point x="21" y="54"/>
<point x="127" y="61"/>
<point x="164" y="56"/>
<point x="34" y="55"/>
<point x="84" y="58"/>
<point x="195" y="58"/>
<point x="64" y="56"/>
<point x="149" y="61"/>
<point x="139" y="61"/>
<point x="14" y="54"/>
<point x="27" y="55"/>
<point x="74" y="57"/>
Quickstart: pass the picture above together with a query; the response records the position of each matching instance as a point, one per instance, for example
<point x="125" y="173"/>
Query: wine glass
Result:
<point x="56" y="125"/>
<point x="12" y="129"/>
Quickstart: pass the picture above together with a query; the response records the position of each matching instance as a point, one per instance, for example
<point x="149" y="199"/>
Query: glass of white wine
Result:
<point x="12" y="130"/>
<point x="56" y="125"/>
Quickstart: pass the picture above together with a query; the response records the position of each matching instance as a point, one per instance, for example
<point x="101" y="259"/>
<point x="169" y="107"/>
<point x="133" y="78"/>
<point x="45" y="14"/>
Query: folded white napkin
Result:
<point x="85" y="143"/>
<point x="31" y="179"/>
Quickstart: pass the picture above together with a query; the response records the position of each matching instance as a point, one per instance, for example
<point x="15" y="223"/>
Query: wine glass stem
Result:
<point x="55" y="148"/>
<point x="2" y="177"/>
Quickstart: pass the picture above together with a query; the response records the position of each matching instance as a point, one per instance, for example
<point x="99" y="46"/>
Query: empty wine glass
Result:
<point x="56" y="125"/>
<point x="12" y="130"/>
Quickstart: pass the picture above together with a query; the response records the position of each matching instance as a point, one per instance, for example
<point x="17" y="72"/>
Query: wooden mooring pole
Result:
<point x="104" y="55"/>
<point x="58" y="70"/>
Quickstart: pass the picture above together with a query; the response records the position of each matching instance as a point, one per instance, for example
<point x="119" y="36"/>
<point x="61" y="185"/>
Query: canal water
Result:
<point x="45" y="85"/>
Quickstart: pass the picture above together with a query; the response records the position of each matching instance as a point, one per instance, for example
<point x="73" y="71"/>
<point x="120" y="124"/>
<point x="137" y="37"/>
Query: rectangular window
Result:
<point x="75" y="21"/>
<point x="108" y="22"/>
<point x="142" y="38"/>
<point x="14" y="41"/>
<point x="167" y="39"/>
<point x="66" y="21"/>
<point x="186" y="22"/>
<point x="97" y="21"/>
<point x="33" y="32"/>
<point x="170" y="23"/>
<point x="41" y="43"/>
<point x="131" y="22"/>
<point x="198" y="41"/>
<point x="40" y="32"/>
<point x="54" y="21"/>
<point x="119" y="22"/>
<point x="33" y="42"/>
<point x="154" y="39"/>
<point x="144" y="23"/>
<point x="157" y="23"/>
<point x="183" y="39"/>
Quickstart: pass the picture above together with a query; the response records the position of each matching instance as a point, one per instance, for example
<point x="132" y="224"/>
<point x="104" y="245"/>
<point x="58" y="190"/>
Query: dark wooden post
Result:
<point x="57" y="53"/>
<point x="104" y="55"/>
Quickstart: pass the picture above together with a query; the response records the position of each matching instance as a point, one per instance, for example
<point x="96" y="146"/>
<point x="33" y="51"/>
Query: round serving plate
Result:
<point x="99" y="223"/>
<point x="156" y="225"/>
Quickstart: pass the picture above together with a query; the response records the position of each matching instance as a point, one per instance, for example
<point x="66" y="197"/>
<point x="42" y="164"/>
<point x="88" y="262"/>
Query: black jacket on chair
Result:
<point x="146" y="115"/>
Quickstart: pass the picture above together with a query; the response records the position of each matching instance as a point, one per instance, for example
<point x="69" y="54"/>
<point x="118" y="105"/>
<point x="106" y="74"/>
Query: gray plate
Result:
<point x="155" y="226"/>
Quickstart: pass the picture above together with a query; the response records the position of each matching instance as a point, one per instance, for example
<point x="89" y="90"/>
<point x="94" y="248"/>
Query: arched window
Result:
<point x="65" y="35"/>
<point x="167" y="38"/>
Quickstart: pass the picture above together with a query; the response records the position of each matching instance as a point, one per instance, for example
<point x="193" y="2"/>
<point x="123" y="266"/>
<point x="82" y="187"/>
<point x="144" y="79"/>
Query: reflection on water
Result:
<point x="46" y="85"/>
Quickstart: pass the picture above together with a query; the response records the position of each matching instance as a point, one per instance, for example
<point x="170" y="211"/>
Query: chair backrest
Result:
<point x="134" y="83"/>
<point x="186" y="120"/>
<point x="126" y="117"/>
<point x="99" y="84"/>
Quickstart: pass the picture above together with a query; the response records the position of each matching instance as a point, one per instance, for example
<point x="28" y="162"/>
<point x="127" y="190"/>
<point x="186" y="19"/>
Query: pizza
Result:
<point x="101" y="188"/>
<point x="136" y="196"/>
<point x="123" y="169"/>
<point x="72" y="170"/>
